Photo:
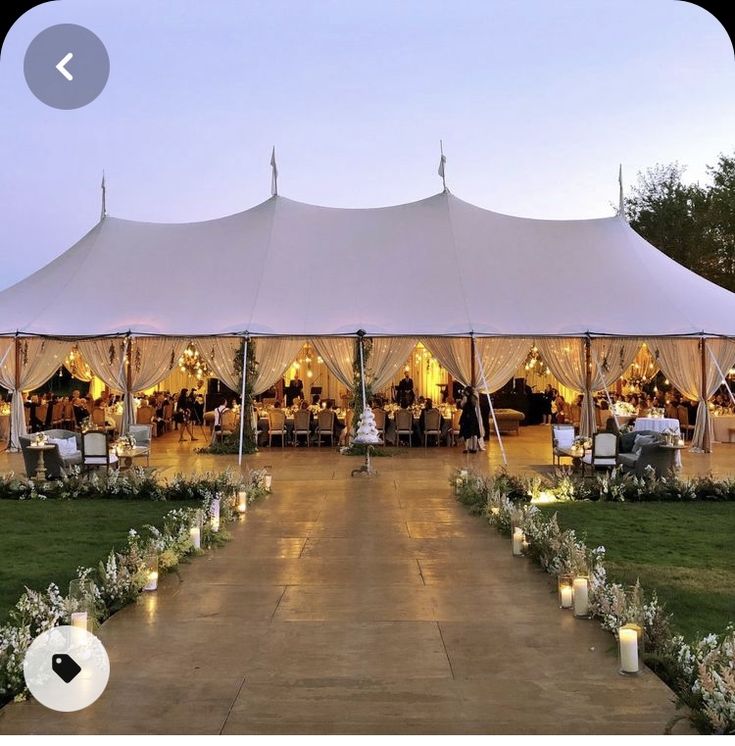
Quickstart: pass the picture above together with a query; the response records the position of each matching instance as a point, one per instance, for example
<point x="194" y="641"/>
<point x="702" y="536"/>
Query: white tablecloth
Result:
<point x="659" y="424"/>
<point x="721" y="426"/>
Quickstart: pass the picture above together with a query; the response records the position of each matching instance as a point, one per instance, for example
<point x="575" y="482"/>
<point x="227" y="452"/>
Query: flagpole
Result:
<point x="274" y="173"/>
<point x="621" y="200"/>
<point x="103" y="211"/>
<point x="442" y="161"/>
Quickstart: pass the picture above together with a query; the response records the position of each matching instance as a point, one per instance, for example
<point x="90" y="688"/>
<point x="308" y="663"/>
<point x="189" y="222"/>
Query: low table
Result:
<point x="576" y="454"/>
<point x="127" y="455"/>
<point x="41" y="448"/>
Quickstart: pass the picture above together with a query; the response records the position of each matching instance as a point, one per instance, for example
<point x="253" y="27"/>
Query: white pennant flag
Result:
<point x="274" y="174"/>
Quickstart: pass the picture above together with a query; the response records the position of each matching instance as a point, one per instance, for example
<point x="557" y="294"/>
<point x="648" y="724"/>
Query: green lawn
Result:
<point x="45" y="541"/>
<point x="686" y="552"/>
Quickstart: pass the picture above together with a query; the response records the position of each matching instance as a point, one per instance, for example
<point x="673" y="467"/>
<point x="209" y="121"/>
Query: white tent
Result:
<point x="439" y="267"/>
<point x="434" y="267"/>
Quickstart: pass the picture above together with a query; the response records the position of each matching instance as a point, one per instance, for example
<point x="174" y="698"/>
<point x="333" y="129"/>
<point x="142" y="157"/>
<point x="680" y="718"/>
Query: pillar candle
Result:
<point x="268" y="482"/>
<point x="79" y="619"/>
<point x="518" y="542"/>
<point x="152" y="583"/>
<point x="565" y="593"/>
<point x="628" y="650"/>
<point x="214" y="514"/>
<point x="581" y="597"/>
<point x="196" y="537"/>
<point x="242" y="504"/>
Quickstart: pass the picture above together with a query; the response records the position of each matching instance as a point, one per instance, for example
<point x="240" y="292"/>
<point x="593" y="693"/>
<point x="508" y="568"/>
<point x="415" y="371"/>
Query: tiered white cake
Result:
<point x="367" y="433"/>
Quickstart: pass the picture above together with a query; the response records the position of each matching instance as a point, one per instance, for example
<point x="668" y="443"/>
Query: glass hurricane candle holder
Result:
<point x="630" y="649"/>
<point x="581" y="596"/>
<point x="151" y="572"/>
<point x="564" y="590"/>
<point x="81" y="604"/>
<point x="214" y="513"/>
<point x="242" y="501"/>
<point x="195" y="532"/>
<point x="518" y="538"/>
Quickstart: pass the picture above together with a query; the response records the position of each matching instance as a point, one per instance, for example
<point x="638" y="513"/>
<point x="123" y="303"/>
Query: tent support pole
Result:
<point x="473" y="353"/>
<point x="588" y="387"/>
<point x="14" y="447"/>
<point x="129" y="410"/>
<point x="706" y="442"/>
<point x="722" y="375"/>
<point x="243" y="413"/>
<point x="492" y="412"/>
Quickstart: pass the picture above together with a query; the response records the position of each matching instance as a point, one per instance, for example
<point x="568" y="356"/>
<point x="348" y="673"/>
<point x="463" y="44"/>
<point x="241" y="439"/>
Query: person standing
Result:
<point x="405" y="389"/>
<point x="469" y="423"/>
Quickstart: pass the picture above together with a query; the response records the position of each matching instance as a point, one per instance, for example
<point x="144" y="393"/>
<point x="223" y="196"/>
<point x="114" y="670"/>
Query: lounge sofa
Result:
<point x="636" y="457"/>
<point x="56" y="464"/>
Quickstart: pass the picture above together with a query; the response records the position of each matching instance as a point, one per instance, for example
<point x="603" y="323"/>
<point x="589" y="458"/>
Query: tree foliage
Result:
<point x="691" y="223"/>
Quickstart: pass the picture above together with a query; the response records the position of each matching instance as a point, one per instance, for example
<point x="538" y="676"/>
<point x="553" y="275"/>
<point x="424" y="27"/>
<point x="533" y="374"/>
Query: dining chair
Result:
<point x="57" y="414"/>
<point x="276" y="426"/>
<point x="95" y="450"/>
<point x="302" y="426"/>
<point x="604" y="452"/>
<point x="562" y="439"/>
<point x="432" y="425"/>
<point x="325" y="426"/>
<point x="404" y="425"/>
<point x="99" y="420"/>
<point x="683" y="417"/>
<point x="379" y="414"/>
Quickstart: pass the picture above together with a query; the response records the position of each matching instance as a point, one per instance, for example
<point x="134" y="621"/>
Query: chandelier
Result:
<point x="535" y="362"/>
<point x="193" y="364"/>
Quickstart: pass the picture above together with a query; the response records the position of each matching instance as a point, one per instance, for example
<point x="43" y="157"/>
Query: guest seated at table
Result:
<point x="80" y="406"/>
<point x="561" y="409"/>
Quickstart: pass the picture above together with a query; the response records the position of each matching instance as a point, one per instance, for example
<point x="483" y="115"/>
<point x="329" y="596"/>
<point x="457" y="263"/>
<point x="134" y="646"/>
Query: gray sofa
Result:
<point x="650" y="454"/>
<point x="56" y="465"/>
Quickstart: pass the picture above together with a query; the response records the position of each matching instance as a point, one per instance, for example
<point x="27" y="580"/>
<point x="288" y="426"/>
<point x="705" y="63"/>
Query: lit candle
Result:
<point x="196" y="537"/>
<point x="495" y="510"/>
<point x="152" y="583"/>
<point x="581" y="597"/>
<point x="214" y="514"/>
<point x="268" y="482"/>
<point x="518" y="539"/>
<point x="628" y="649"/>
<point x="565" y="593"/>
<point x="242" y="504"/>
<point x="79" y="619"/>
<point x="680" y="442"/>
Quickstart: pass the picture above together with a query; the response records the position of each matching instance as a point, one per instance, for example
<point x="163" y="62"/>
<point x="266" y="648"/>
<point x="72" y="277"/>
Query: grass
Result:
<point x="45" y="541"/>
<point x="686" y="552"/>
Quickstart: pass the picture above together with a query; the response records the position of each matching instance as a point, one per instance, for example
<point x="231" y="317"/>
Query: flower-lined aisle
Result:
<point x="120" y="578"/>
<point x="701" y="673"/>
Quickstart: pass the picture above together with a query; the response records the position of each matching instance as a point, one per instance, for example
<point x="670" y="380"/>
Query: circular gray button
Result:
<point x="66" y="66"/>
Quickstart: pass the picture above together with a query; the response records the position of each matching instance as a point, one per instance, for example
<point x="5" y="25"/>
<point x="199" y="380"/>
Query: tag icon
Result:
<point x="65" y="667"/>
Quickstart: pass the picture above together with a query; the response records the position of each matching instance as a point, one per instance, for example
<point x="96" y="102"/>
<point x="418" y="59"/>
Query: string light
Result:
<point x="534" y="361"/>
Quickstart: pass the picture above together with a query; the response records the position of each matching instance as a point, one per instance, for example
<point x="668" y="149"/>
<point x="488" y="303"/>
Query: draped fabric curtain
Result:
<point x="106" y="359"/>
<point x="609" y="358"/>
<point x="221" y="354"/>
<point x="78" y="366"/>
<point x="338" y="355"/>
<point x="498" y="360"/>
<point x="681" y="362"/>
<point x="387" y="357"/>
<point x="273" y="355"/>
<point x="566" y="359"/>
<point x="454" y="354"/>
<point x="36" y="362"/>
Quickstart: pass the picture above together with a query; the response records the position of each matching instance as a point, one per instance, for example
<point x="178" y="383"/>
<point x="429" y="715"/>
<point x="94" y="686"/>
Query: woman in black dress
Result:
<point x="469" y="425"/>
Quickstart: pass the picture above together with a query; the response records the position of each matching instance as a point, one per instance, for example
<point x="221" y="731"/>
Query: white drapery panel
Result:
<point x="566" y="358"/>
<point x="106" y="359"/>
<point x="338" y="355"/>
<point x="221" y="354"/>
<point x="610" y="358"/>
<point x="498" y="360"/>
<point x="681" y="362"/>
<point x="36" y="362"/>
<point x="454" y="354"/>
<point x="273" y="355"/>
<point x="387" y="357"/>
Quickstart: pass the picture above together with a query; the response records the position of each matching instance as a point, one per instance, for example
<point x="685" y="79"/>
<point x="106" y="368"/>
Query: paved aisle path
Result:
<point x="361" y="606"/>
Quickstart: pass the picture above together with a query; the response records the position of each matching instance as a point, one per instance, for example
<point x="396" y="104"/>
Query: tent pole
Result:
<point x="14" y="447"/>
<point x="129" y="410"/>
<point x="706" y="441"/>
<point x="722" y="375"/>
<point x="243" y="413"/>
<point x="360" y="341"/>
<point x="588" y="388"/>
<point x="492" y="412"/>
<point x="473" y="353"/>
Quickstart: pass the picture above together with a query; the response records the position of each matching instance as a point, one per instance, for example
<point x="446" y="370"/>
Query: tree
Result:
<point x="693" y="224"/>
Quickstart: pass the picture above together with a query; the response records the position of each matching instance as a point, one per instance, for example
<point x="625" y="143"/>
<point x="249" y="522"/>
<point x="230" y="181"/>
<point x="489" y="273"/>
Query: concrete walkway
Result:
<point x="358" y="606"/>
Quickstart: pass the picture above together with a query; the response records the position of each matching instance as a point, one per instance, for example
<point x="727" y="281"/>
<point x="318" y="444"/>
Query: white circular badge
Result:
<point x="66" y="668"/>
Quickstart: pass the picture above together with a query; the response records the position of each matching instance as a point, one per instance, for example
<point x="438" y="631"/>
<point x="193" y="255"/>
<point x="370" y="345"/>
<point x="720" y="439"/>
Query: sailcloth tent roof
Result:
<point x="436" y="266"/>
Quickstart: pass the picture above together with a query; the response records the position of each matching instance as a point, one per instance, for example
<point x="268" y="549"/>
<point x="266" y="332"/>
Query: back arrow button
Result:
<point x="62" y="69"/>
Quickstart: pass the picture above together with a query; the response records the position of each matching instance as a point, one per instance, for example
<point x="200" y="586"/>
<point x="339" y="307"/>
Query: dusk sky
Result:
<point x="537" y="104"/>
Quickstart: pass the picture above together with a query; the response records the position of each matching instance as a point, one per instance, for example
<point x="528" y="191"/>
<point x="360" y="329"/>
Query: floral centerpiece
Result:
<point x="624" y="409"/>
<point x="4" y="409"/>
<point x="39" y="439"/>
